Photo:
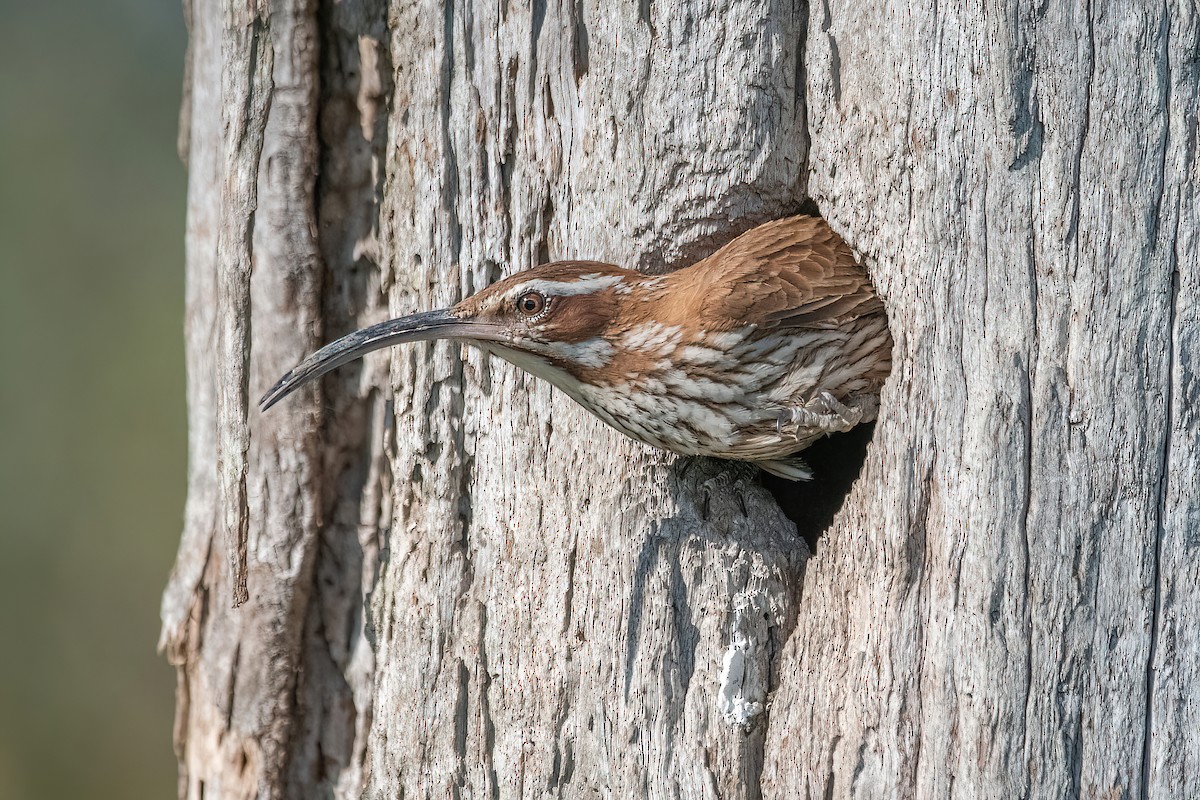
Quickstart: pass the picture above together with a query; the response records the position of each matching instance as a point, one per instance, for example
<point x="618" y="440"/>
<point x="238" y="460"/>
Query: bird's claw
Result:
<point x="824" y="413"/>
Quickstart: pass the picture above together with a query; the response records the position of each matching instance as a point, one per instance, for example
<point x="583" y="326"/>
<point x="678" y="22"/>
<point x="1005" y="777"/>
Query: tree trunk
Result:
<point x="461" y="584"/>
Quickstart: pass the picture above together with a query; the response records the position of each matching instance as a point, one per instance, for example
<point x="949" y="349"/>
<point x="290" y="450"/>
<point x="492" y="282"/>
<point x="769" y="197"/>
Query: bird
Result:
<point x="750" y="354"/>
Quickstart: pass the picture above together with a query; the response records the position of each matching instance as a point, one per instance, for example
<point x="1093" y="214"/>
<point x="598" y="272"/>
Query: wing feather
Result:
<point x="790" y="273"/>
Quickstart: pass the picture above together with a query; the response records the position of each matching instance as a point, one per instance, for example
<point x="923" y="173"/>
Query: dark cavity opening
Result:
<point x="836" y="462"/>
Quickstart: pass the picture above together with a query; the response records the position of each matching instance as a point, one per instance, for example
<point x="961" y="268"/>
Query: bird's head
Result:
<point x="549" y="320"/>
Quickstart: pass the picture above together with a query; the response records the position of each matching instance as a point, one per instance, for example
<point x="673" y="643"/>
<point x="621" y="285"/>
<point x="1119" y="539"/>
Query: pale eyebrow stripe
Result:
<point x="587" y="284"/>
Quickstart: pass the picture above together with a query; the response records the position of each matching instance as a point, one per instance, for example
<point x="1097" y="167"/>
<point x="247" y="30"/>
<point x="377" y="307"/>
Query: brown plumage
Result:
<point x="753" y="353"/>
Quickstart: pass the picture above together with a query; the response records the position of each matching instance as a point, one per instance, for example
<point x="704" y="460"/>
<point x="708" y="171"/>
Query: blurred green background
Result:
<point x="92" y="426"/>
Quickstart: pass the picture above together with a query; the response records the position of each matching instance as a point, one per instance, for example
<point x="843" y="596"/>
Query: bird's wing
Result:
<point x="790" y="273"/>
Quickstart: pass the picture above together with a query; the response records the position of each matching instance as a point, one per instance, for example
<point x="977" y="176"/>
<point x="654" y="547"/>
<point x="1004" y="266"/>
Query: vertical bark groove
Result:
<point x="246" y="102"/>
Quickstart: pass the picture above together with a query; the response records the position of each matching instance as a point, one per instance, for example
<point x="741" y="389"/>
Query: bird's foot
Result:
<point x="822" y="414"/>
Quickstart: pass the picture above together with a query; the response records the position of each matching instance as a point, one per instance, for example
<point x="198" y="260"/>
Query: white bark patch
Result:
<point x="742" y="694"/>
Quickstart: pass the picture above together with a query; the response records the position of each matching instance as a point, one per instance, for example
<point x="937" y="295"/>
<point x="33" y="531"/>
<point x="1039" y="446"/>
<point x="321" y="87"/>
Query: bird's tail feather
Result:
<point x="794" y="469"/>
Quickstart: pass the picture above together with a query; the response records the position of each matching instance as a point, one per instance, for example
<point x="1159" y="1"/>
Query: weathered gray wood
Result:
<point x="553" y="615"/>
<point x="461" y="584"/>
<point x="251" y="311"/>
<point x="999" y="613"/>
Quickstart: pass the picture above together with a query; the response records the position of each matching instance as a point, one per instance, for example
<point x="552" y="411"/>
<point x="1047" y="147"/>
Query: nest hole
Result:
<point x="836" y="462"/>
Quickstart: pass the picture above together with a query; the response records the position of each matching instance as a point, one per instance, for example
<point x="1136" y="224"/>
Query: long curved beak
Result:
<point x="442" y="324"/>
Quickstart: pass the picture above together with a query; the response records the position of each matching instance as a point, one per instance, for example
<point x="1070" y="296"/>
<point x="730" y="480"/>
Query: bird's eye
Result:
<point x="531" y="304"/>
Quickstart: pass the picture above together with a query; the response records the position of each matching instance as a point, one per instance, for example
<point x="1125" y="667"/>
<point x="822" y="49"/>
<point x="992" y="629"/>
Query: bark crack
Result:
<point x="1164" y="476"/>
<point x="1159" y="534"/>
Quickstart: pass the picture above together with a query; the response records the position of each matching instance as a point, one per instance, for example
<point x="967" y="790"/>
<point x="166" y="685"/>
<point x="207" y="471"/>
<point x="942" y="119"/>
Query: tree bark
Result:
<point x="461" y="584"/>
